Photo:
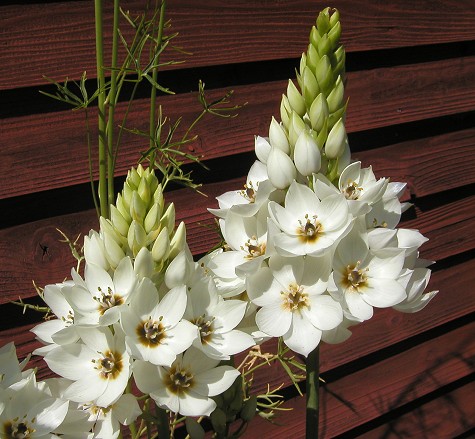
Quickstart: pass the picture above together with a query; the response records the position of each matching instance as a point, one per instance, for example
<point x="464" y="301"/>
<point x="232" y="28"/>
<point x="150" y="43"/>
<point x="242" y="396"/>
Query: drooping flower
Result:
<point x="187" y="385"/>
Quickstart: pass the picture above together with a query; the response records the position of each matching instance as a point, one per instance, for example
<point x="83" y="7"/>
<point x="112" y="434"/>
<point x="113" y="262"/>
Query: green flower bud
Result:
<point x="249" y="409"/>
<point x="127" y="192"/>
<point x="310" y="88"/>
<point x="114" y="252"/>
<point x="194" y="429"/>
<point x="136" y="237"/>
<point x="323" y="22"/>
<point x="312" y="57"/>
<point x="324" y="73"/>
<point x="324" y="46"/>
<point x="335" y="144"/>
<point x="335" y="18"/>
<point x="118" y="221"/>
<point x="297" y="125"/>
<point x="161" y="246"/>
<point x="124" y="211"/>
<point x="218" y="420"/>
<point x="307" y="155"/>
<point x="144" y="191"/>
<point x="295" y="99"/>
<point x="318" y="112"/>
<point x="285" y="110"/>
<point x="314" y="36"/>
<point x="335" y="33"/>
<point x="335" y="98"/>
<point x="168" y="218"/>
<point x="137" y="208"/>
<point x="152" y="219"/>
<point x="178" y="242"/>
<point x="277" y="137"/>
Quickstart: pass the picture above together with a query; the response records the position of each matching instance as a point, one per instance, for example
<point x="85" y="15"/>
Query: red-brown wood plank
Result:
<point x="449" y="228"/>
<point x="366" y="394"/>
<point x="49" y="151"/>
<point x="455" y="415"/>
<point x="60" y="39"/>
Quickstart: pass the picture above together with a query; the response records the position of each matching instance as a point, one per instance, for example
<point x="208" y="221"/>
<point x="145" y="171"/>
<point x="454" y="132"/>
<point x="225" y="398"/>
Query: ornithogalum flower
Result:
<point x="290" y="292"/>
<point x="187" y="385"/>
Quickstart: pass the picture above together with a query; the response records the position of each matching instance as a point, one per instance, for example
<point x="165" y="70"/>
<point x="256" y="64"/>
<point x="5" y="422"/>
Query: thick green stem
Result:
<point x="103" y="198"/>
<point x="153" y="93"/>
<point x="163" y="426"/>
<point x="312" y="363"/>
<point x="112" y="101"/>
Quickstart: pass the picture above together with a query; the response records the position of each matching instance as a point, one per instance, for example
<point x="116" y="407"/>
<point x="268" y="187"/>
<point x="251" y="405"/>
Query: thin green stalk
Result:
<point x="312" y="385"/>
<point x="103" y="197"/>
<point x="153" y="93"/>
<point x="162" y="423"/>
<point x="112" y="101"/>
<point x="89" y="156"/>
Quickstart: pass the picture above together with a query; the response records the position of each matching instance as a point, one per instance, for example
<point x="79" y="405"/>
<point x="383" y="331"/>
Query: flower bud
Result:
<point x="152" y="219"/>
<point x="136" y="237"/>
<point x="262" y="148"/>
<point x="179" y="270"/>
<point x="280" y="169"/>
<point x="249" y="409"/>
<point x="277" y="137"/>
<point x="144" y="191"/>
<point x="94" y="251"/>
<point x="335" y="18"/>
<point x="323" y="22"/>
<point x="137" y="208"/>
<point x="285" y="110"/>
<point x="168" y="218"/>
<point x="323" y="73"/>
<point x="335" y="98"/>
<point x="312" y="57"/>
<point x="118" y="221"/>
<point x="324" y="45"/>
<point x="318" y="112"/>
<point x="178" y="242"/>
<point x="133" y="176"/>
<point x="114" y="253"/>
<point x="335" y="33"/>
<point x="295" y="99"/>
<point x="124" y="211"/>
<point x="158" y="197"/>
<point x="335" y="144"/>
<point x="307" y="155"/>
<point x="161" y="246"/>
<point x="310" y="88"/>
<point x="297" y="125"/>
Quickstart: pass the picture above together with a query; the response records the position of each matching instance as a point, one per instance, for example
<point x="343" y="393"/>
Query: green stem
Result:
<point x="153" y="93"/>
<point x="112" y="101"/>
<point x="103" y="198"/>
<point x="162" y="423"/>
<point x="312" y="385"/>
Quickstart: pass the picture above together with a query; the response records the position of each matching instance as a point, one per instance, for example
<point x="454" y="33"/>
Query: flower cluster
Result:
<point x="144" y="310"/>
<point x="312" y="236"/>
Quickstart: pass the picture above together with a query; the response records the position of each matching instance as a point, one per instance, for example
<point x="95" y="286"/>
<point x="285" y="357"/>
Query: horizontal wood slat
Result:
<point x="53" y="146"/>
<point x="448" y="235"/>
<point x="448" y="416"/>
<point x="60" y="39"/>
<point x="390" y="383"/>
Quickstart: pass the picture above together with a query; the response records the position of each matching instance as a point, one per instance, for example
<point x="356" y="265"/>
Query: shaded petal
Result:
<point x="357" y="306"/>
<point x="302" y="336"/>
<point x="215" y="381"/>
<point x="325" y="313"/>
<point x="383" y="293"/>
<point x="273" y="320"/>
<point x="193" y="404"/>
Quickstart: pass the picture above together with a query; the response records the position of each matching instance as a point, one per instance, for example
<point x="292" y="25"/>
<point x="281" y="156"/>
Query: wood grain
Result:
<point x="49" y="151"/>
<point x="60" y="39"/>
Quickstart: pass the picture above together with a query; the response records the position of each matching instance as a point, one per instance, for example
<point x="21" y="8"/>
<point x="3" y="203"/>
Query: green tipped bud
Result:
<point x="249" y="409"/>
<point x="137" y="208"/>
<point x="339" y="57"/>
<point x="136" y="237"/>
<point x="114" y="253"/>
<point x="178" y="242"/>
<point x="314" y="36"/>
<point x="285" y="110"/>
<point x="277" y="137"/>
<point x="303" y="64"/>
<point x="127" y="193"/>
<point x="297" y="125"/>
<point x="324" y="45"/>
<point x="335" y="18"/>
<point x="152" y="219"/>
<point x="194" y="429"/>
<point x="335" y="33"/>
<point x="144" y="191"/>
<point x="124" y="211"/>
<point x="335" y="144"/>
<point x="295" y="99"/>
<point x="161" y="246"/>
<point x="133" y="176"/>
<point x="307" y="155"/>
<point x="324" y="73"/>
<point x="118" y="221"/>
<point x="323" y="22"/>
<point x="310" y="88"/>
<point x="335" y="98"/>
<point x="158" y="196"/>
<point x="318" y="112"/>
<point x="312" y="57"/>
<point x="168" y="218"/>
<point x="218" y="420"/>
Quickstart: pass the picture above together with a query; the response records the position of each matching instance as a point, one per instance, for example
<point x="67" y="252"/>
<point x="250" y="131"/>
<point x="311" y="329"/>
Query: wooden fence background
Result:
<point x="411" y="73"/>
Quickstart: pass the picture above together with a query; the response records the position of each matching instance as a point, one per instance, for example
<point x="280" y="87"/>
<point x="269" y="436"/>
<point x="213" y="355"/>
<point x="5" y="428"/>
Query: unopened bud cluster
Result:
<point x="312" y="133"/>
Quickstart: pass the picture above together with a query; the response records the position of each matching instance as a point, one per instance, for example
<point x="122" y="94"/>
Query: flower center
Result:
<point x="178" y="381"/>
<point x="17" y="430"/>
<point x="248" y="192"/>
<point x="310" y="230"/>
<point x="151" y="333"/>
<point x="356" y="277"/>
<point x="107" y="300"/>
<point x="254" y="248"/>
<point x="294" y="299"/>
<point x="109" y="364"/>
<point x="205" y="327"/>
<point x="352" y="191"/>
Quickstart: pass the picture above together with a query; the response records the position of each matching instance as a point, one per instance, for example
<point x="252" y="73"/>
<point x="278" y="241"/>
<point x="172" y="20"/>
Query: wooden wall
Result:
<point x="411" y="72"/>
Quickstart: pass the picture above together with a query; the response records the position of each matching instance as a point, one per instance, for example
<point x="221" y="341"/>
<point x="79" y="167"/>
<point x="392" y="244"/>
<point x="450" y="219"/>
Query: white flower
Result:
<point x="216" y="319"/>
<point x="416" y="283"/>
<point x="27" y="410"/>
<point x="363" y="279"/>
<point x="309" y="226"/>
<point x="10" y="367"/>
<point x="262" y="148"/>
<point x="99" y="366"/>
<point x="154" y="329"/>
<point x="187" y="385"/>
<point x="291" y="294"/>
<point x="99" y="298"/>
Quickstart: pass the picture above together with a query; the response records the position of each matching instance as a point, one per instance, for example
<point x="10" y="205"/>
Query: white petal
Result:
<point x="215" y="381"/>
<point x="357" y="306"/>
<point x="383" y="293"/>
<point x="273" y="320"/>
<point x="127" y="409"/>
<point x="49" y="414"/>
<point x="86" y="389"/>
<point x="172" y="306"/>
<point x="193" y="404"/>
<point x="71" y="361"/>
<point x="147" y="376"/>
<point x="302" y="336"/>
<point x="324" y="313"/>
